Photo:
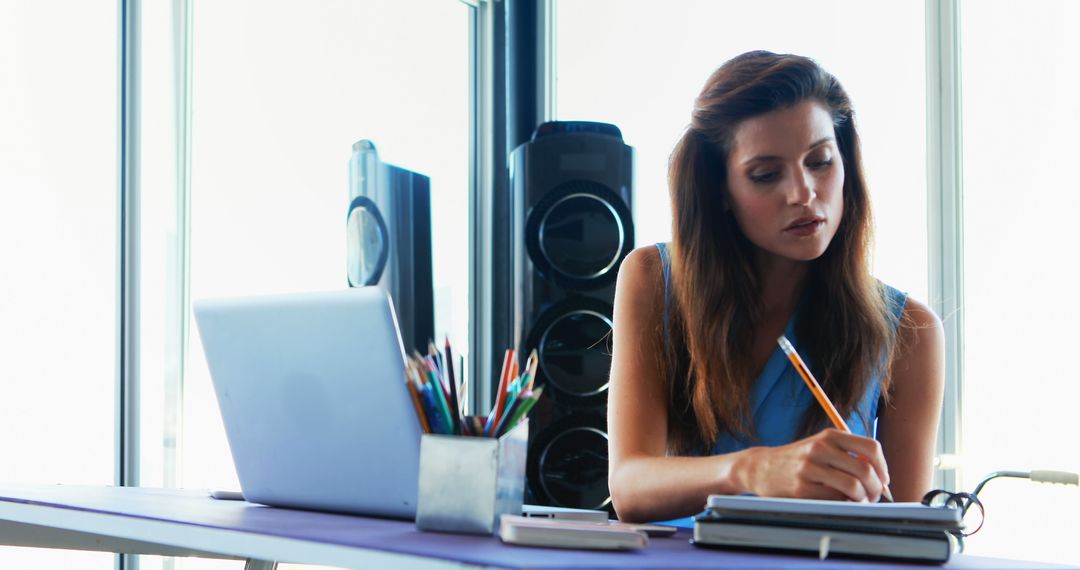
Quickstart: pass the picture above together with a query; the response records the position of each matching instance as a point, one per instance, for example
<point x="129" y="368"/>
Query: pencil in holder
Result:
<point x="467" y="483"/>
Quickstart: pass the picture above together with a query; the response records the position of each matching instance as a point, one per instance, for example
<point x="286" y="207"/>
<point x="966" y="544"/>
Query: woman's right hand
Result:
<point x="821" y="466"/>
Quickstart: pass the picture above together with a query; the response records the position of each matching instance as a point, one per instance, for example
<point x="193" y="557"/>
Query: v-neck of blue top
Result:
<point x="779" y="398"/>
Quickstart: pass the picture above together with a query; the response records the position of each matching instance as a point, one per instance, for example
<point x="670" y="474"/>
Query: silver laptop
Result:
<point x="312" y="394"/>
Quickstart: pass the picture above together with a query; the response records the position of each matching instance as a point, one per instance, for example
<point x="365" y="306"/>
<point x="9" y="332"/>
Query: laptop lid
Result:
<point x="312" y="395"/>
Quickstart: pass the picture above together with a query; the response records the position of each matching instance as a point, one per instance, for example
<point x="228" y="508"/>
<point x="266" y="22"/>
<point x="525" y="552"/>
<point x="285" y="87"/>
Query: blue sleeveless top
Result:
<point x="779" y="397"/>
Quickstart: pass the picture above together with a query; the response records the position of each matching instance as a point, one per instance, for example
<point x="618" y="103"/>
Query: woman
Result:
<point x="771" y="235"/>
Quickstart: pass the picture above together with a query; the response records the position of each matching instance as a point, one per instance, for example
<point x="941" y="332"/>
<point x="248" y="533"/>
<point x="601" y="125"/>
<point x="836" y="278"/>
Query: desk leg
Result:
<point x="253" y="564"/>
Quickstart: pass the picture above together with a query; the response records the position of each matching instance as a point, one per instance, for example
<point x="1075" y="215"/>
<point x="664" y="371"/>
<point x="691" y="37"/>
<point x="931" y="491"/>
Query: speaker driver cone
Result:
<point x="578" y="233"/>
<point x="572" y="353"/>
<point x="581" y="236"/>
<point x="573" y="468"/>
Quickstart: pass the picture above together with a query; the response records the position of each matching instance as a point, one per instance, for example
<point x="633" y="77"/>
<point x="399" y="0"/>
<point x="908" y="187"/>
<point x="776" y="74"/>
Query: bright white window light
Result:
<point x="639" y="65"/>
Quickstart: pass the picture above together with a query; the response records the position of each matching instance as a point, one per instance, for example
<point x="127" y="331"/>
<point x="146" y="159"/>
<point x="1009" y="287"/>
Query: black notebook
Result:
<point x="898" y="531"/>
<point x="913" y="546"/>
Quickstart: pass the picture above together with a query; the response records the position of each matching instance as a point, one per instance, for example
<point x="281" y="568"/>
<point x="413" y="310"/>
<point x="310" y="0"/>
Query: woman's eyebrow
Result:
<point x="768" y="157"/>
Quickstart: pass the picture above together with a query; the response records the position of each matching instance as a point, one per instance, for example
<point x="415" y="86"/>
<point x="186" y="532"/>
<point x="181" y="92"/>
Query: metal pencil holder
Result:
<point x="467" y="483"/>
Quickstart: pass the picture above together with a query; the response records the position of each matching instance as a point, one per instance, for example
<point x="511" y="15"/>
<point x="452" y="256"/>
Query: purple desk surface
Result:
<point x="196" y="508"/>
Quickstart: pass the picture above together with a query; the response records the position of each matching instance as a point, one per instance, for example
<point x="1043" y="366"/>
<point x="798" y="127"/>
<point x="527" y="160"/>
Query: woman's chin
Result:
<point x="804" y="252"/>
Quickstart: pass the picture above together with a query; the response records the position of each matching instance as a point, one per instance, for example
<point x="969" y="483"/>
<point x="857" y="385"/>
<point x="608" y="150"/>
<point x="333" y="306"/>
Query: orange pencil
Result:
<point x="416" y="403"/>
<point x="515" y="369"/>
<point x="511" y="378"/>
<point x="504" y="382"/>
<point x="819" y="394"/>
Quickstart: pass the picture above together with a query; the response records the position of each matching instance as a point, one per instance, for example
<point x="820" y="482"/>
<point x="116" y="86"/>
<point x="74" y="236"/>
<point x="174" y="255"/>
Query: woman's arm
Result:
<point x="645" y="483"/>
<point x="648" y="485"/>
<point x="907" y="427"/>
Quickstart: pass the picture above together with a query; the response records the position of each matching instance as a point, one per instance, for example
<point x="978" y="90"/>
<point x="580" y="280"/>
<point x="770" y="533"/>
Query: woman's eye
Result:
<point x="764" y="177"/>
<point x="820" y="164"/>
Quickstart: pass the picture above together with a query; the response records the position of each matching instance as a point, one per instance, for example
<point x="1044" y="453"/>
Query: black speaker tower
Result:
<point x="571" y="226"/>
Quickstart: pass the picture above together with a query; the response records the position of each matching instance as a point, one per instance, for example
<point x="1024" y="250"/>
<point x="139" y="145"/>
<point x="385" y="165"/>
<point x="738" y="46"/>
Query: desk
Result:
<point x="189" y="523"/>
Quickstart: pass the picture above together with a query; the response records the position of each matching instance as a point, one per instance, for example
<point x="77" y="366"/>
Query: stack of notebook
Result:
<point x="897" y="531"/>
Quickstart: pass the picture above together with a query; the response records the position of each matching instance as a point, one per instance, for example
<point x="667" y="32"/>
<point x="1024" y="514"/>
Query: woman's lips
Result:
<point x="806" y="227"/>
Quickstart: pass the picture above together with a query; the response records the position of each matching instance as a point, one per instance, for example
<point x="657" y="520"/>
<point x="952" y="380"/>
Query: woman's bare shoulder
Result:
<point x="641" y="264"/>
<point x="922" y="322"/>
<point x="641" y="281"/>
<point x="919" y="361"/>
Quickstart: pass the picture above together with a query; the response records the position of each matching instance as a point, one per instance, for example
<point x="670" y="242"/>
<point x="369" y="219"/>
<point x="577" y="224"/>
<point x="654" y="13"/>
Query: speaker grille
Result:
<point x="578" y="233"/>
<point x="568" y="353"/>
<point x="573" y="468"/>
<point x="572" y="340"/>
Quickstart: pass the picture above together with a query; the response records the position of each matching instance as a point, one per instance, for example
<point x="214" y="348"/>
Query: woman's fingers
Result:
<point x="858" y="471"/>
<point x="824" y="480"/>
<point x="822" y="492"/>
<point x="865" y="448"/>
<point x="831" y="464"/>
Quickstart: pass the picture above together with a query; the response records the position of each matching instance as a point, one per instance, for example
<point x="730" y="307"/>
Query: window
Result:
<point x="58" y="179"/>
<point x="1020" y="203"/>
<point x="640" y="66"/>
<point x="281" y="91"/>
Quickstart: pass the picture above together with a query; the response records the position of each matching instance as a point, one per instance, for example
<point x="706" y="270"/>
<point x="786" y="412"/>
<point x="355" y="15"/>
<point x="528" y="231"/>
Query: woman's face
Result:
<point x="786" y="179"/>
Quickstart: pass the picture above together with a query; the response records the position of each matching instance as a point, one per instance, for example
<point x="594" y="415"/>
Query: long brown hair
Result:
<point x="843" y="325"/>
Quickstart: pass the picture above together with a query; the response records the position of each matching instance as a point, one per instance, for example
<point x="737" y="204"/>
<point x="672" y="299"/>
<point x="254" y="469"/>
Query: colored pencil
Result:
<point x="455" y="409"/>
<point x="440" y="397"/>
<point x="431" y="404"/>
<point x="533" y="362"/>
<point x="415" y="396"/>
<point x="500" y="394"/>
<point x="527" y="405"/>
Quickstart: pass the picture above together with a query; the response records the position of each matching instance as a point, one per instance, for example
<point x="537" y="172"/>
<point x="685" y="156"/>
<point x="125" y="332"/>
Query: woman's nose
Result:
<point x="802" y="191"/>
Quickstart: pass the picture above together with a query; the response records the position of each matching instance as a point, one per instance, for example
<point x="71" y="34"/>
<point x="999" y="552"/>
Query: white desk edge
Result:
<point x="56" y="527"/>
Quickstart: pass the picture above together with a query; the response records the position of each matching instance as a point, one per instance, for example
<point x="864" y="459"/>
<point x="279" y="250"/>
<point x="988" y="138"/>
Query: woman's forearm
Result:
<point x="649" y="488"/>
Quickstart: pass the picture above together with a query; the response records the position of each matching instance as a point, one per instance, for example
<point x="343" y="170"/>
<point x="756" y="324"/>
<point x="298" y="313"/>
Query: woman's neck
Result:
<point x="781" y="282"/>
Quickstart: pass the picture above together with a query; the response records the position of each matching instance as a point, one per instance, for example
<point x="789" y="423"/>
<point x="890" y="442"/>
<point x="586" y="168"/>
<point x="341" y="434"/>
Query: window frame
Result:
<point x="944" y="171"/>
